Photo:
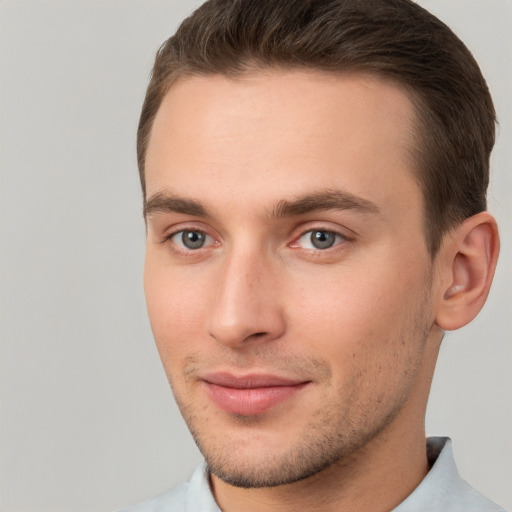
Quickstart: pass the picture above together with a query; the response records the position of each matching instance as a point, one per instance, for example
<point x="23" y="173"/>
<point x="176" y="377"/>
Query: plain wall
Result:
<point x="86" y="415"/>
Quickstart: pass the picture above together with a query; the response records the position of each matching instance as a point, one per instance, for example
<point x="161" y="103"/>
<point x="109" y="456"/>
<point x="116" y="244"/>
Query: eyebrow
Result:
<point x="330" y="199"/>
<point x="167" y="203"/>
<point x="324" y="200"/>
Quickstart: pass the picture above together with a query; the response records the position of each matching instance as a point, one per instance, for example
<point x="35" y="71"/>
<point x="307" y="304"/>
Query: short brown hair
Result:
<point x="396" y="39"/>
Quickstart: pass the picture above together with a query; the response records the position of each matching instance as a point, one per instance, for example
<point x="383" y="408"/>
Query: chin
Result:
<point x="266" y="469"/>
<point x="252" y="456"/>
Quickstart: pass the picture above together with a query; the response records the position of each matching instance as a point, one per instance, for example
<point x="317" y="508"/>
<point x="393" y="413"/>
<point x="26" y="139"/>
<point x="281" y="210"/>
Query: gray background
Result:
<point x="87" y="419"/>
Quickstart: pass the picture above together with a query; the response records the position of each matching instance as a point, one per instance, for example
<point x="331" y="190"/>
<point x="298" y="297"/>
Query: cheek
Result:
<point x="370" y="331"/>
<point x="175" y="304"/>
<point x="363" y="315"/>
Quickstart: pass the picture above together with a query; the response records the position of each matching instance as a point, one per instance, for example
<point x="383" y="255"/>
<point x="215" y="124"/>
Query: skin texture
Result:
<point x="358" y="323"/>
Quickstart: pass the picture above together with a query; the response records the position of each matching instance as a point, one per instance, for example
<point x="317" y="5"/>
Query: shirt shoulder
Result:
<point x="171" y="501"/>
<point x="190" y="496"/>
<point x="443" y="490"/>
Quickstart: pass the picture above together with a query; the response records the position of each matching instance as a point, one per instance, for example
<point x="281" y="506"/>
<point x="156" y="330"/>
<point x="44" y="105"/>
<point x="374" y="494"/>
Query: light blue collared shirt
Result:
<point x="442" y="490"/>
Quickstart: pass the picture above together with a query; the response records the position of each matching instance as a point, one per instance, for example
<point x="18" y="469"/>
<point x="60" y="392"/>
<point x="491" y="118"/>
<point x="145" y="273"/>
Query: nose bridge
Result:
<point x="245" y="305"/>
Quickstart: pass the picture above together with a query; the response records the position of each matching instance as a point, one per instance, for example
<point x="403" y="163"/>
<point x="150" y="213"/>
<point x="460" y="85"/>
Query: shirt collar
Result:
<point x="442" y="488"/>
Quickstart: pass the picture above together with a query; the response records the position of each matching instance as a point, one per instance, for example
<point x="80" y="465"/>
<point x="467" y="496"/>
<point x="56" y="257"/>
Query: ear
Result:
<point x="466" y="263"/>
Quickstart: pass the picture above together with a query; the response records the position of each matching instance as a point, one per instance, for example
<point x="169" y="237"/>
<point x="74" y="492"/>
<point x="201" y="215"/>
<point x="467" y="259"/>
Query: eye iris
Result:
<point x="322" y="239"/>
<point x="193" y="239"/>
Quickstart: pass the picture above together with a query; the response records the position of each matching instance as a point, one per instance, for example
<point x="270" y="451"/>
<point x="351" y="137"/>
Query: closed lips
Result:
<point x="251" y="394"/>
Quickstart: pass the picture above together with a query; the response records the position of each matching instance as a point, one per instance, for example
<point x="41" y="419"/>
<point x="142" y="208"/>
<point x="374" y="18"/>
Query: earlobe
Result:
<point x="467" y="262"/>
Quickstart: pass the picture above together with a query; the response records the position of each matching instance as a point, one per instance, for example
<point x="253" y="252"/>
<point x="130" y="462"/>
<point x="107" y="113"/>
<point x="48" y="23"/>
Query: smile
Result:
<point x="252" y="394"/>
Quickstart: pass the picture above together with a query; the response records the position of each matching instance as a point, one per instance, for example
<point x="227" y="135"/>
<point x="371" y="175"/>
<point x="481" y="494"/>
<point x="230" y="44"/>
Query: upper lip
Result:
<point x="248" y="381"/>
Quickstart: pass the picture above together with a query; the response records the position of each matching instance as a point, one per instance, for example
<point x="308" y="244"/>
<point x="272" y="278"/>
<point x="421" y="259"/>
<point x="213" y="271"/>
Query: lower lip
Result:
<point x="250" y="401"/>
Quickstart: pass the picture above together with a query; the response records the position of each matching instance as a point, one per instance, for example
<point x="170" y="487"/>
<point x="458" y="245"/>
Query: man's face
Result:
<point x="287" y="277"/>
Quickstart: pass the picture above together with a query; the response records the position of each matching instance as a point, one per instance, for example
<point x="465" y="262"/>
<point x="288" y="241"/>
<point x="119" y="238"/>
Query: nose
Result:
<point x="245" y="307"/>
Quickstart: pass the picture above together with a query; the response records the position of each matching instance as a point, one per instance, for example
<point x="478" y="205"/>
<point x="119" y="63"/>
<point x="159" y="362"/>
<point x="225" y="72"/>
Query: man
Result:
<point x="314" y="177"/>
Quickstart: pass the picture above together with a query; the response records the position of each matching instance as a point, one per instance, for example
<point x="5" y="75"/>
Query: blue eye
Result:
<point x="191" y="240"/>
<point x="320" y="239"/>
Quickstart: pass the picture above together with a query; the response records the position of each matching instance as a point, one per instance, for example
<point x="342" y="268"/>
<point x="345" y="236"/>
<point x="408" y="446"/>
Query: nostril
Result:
<point x="250" y="336"/>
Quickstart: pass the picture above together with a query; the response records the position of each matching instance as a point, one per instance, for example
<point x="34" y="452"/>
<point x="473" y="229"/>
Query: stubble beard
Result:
<point x="321" y="447"/>
<point x="334" y="435"/>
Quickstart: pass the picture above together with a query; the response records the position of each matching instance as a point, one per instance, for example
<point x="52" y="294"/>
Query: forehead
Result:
<point x="269" y="134"/>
